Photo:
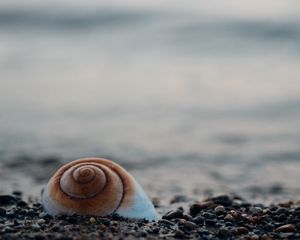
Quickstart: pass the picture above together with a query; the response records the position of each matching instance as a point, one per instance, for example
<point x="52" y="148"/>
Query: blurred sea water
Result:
<point x="200" y="96"/>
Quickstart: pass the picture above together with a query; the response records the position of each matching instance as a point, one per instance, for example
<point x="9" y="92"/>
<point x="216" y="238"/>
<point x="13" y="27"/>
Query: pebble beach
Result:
<point x="201" y="215"/>
<point x="218" y="217"/>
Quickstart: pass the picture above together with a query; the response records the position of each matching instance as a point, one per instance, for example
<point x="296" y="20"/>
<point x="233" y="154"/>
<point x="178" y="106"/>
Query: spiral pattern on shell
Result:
<point x="95" y="186"/>
<point x="83" y="181"/>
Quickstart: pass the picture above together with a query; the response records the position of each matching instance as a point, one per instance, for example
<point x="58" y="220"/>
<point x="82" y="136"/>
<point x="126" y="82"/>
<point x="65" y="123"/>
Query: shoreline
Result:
<point x="218" y="217"/>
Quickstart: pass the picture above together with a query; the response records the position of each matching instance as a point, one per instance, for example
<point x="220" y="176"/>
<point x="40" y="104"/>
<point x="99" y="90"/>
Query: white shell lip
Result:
<point x="141" y="206"/>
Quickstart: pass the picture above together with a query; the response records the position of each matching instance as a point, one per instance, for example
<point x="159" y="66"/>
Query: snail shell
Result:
<point x="96" y="186"/>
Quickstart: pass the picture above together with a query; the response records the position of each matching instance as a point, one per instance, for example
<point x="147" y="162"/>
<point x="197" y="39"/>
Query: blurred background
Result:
<point x="190" y="97"/>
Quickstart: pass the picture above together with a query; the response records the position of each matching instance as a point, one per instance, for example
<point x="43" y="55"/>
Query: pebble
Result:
<point x="234" y="214"/>
<point x="143" y="234"/>
<point x="286" y="204"/>
<point x="223" y="233"/>
<point x="31" y="213"/>
<point x="280" y="217"/>
<point x="237" y="203"/>
<point x="172" y="214"/>
<point x="254" y="237"/>
<point x="92" y="220"/>
<point x="45" y="215"/>
<point x="190" y="225"/>
<point x="222" y="199"/>
<point x="10" y="214"/>
<point x="2" y="212"/>
<point x="198" y="220"/>
<point x="242" y="230"/>
<point x="266" y="211"/>
<point x="155" y="202"/>
<point x="282" y="211"/>
<point x="286" y="228"/>
<point x="208" y="215"/>
<point x="181" y="221"/>
<point x="68" y="227"/>
<point x="35" y="227"/>
<point x="17" y="193"/>
<point x="21" y="204"/>
<point x="229" y="217"/>
<point x="266" y="237"/>
<point x="198" y="207"/>
<point x="41" y="221"/>
<point x="187" y="217"/>
<point x="179" y="234"/>
<point x="256" y="210"/>
<point x="220" y="210"/>
<point x="178" y="199"/>
<point x="210" y="222"/>
<point x="102" y="227"/>
<point x="7" y="200"/>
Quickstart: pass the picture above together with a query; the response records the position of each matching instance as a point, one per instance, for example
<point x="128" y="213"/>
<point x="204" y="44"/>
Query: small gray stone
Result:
<point x="41" y="221"/>
<point x="254" y="237"/>
<point x="190" y="225"/>
<point x="220" y="210"/>
<point x="35" y="227"/>
<point x="7" y="200"/>
<point x="198" y="220"/>
<point x="223" y="233"/>
<point x="286" y="228"/>
<point x="242" y="230"/>
<point x="172" y="214"/>
<point x="179" y="234"/>
<point x="178" y="198"/>
<point x="222" y="199"/>
<point x="282" y="211"/>
<point x="256" y="210"/>
<point x="229" y="218"/>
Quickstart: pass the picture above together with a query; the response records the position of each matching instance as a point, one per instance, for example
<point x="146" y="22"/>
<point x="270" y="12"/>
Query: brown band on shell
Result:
<point x="117" y="192"/>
